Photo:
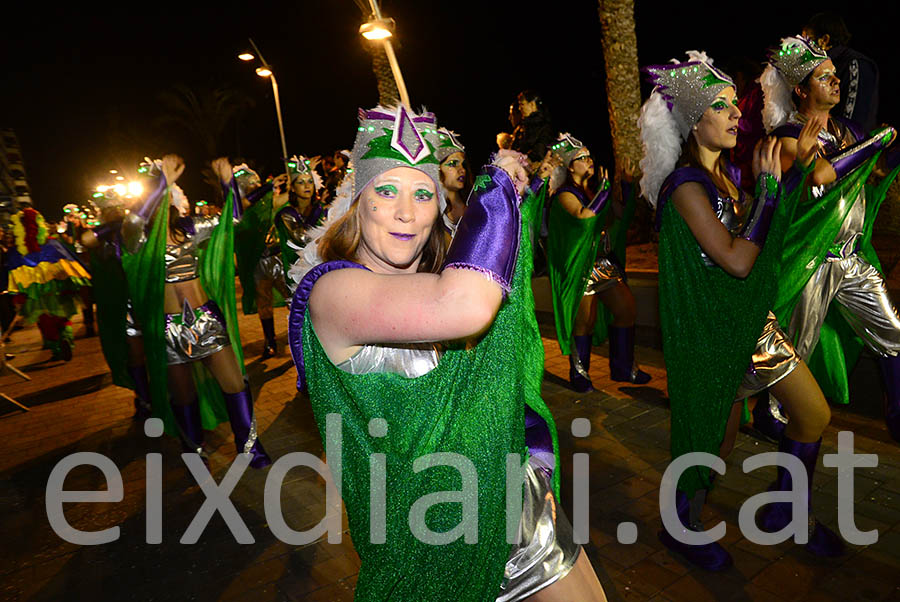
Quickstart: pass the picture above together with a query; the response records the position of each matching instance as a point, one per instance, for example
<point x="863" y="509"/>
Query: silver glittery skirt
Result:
<point x="545" y="552"/>
<point x="131" y="327"/>
<point x="773" y="359"/>
<point x="195" y="333"/>
<point x="604" y="275"/>
<point x="269" y="267"/>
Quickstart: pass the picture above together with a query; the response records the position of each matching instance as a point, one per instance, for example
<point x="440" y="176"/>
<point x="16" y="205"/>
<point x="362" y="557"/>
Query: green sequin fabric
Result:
<point x="710" y="322"/>
<point x="471" y="404"/>
<point x="249" y="245"/>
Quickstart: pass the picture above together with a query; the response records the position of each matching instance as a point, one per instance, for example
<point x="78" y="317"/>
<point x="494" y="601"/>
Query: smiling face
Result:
<point x="823" y="89"/>
<point x="397" y="212"/>
<point x="304" y="186"/>
<point x="718" y="127"/>
<point x="453" y="172"/>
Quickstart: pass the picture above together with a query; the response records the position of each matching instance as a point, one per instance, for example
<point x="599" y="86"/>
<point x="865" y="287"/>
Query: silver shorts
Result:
<point x="604" y="275"/>
<point x="195" y="333"/>
<point x="131" y="327"/>
<point x="545" y="552"/>
<point x="773" y="359"/>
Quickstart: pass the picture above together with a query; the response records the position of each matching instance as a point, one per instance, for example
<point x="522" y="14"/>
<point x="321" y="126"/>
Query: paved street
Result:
<point x="74" y="407"/>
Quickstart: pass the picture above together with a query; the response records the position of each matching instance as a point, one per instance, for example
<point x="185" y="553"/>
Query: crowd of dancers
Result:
<point x="411" y="315"/>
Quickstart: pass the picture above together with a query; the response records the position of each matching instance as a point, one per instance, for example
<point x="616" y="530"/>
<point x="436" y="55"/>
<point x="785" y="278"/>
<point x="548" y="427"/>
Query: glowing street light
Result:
<point x="377" y="29"/>
<point x="113" y="171"/>
<point x="120" y="178"/>
<point x="120" y="189"/>
<point x="265" y="70"/>
<point x="135" y="188"/>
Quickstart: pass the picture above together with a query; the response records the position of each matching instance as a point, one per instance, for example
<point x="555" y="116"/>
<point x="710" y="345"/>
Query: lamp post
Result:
<point x="265" y="70"/>
<point x="379" y="28"/>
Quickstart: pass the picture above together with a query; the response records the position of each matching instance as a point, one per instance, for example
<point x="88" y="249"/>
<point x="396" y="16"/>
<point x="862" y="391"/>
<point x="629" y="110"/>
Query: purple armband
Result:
<point x="487" y="239"/>
<point x="600" y="199"/>
<point x="153" y="199"/>
<point x="847" y="160"/>
<point x="768" y="195"/>
<point x="108" y="230"/>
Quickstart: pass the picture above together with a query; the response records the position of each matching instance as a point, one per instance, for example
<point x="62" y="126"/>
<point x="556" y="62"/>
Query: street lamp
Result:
<point x="380" y="29"/>
<point x="265" y="70"/>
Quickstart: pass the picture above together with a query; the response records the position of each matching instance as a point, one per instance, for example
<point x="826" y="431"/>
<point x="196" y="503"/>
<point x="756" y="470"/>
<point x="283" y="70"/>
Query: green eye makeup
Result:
<point x="386" y="190"/>
<point x="424" y="195"/>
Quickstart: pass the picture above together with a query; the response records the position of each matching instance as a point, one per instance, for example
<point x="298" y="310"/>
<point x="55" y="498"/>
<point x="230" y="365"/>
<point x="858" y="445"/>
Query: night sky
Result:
<point x="81" y="84"/>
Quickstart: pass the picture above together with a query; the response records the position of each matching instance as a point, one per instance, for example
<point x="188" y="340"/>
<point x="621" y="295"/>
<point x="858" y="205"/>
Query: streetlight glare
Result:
<point x="135" y="188"/>
<point x="263" y="71"/>
<point x="120" y="189"/>
<point x="120" y="178"/>
<point x="375" y="30"/>
<point x="113" y="171"/>
<point x="246" y="56"/>
<point x="102" y="188"/>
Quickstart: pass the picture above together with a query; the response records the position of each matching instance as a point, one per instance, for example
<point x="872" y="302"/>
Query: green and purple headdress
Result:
<point x="567" y="146"/>
<point x="789" y="64"/>
<point x="448" y="143"/>
<point x="299" y="165"/>
<point x="395" y="137"/>
<point x="682" y="91"/>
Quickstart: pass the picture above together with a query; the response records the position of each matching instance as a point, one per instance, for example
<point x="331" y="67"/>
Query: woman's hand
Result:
<point x="172" y="168"/>
<point x="808" y="141"/>
<point x="766" y="157"/>
<point x="602" y="176"/>
<point x="222" y="168"/>
<point x="551" y="161"/>
<point x="630" y="170"/>
<point x="280" y="191"/>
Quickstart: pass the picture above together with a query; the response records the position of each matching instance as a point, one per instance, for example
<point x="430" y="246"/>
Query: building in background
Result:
<point x="14" y="189"/>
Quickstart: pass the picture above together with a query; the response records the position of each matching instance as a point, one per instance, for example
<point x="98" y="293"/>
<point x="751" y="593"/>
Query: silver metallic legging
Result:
<point x="862" y="299"/>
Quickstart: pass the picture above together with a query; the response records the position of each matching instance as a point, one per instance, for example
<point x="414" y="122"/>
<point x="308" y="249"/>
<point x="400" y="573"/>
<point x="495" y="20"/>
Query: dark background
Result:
<point x="81" y="84"/>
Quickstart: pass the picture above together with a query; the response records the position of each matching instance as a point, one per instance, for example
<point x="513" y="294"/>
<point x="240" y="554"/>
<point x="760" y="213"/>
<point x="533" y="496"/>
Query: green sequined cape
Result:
<point x="711" y="322"/>
<point x="111" y="298"/>
<point x="808" y="240"/>
<point x="249" y="245"/>
<point x="572" y="248"/>
<point x="146" y="273"/>
<point x="470" y="404"/>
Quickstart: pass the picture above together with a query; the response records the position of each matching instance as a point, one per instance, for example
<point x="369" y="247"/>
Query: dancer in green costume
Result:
<point x="181" y="280"/>
<point x="302" y="212"/>
<point x="719" y="250"/>
<point x="829" y="255"/>
<point x="585" y="268"/>
<point x="418" y="351"/>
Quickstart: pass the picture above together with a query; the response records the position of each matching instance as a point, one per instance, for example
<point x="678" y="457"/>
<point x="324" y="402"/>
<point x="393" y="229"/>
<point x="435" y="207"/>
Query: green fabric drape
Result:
<point x="111" y="299"/>
<point x="471" y="404"/>
<point x="250" y="244"/>
<point x="711" y="322"/>
<point x="145" y="271"/>
<point x="815" y="226"/>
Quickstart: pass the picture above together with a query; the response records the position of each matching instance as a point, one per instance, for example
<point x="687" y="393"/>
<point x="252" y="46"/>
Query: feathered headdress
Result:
<point x="300" y="165"/>
<point x="682" y="92"/>
<point x="448" y="143"/>
<point x="789" y="64"/>
<point x="567" y="146"/>
<point x="247" y="179"/>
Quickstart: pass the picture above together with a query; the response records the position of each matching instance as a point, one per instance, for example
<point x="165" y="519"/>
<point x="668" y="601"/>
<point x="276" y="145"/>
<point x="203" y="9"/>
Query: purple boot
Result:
<point x="709" y="556"/>
<point x="243" y="425"/>
<point x="142" y="408"/>
<point x="580" y="364"/>
<point x="190" y="427"/>
<point x="768" y="419"/>
<point x="621" y="356"/>
<point x="890" y="373"/>
<point x="774" y="517"/>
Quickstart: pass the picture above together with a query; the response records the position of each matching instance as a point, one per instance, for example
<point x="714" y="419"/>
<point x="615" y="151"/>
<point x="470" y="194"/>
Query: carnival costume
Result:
<point x="583" y="260"/>
<point x="257" y="249"/>
<point x="482" y="402"/>
<point x="713" y="322"/>
<point x="448" y="144"/>
<point x="45" y="279"/>
<point x="828" y="254"/>
<point x="150" y="263"/>
<point x="292" y="225"/>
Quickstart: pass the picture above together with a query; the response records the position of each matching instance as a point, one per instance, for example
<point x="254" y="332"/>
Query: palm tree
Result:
<point x="203" y="113"/>
<point x="388" y="94"/>
<point x="622" y="80"/>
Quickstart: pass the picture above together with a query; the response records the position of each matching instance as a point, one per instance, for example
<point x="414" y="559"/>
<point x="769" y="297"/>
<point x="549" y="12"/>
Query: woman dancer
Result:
<point x="426" y="356"/>
<point x="181" y="278"/>
<point x="583" y="269"/>
<point x="302" y="212"/>
<point x="718" y="257"/>
<point x="456" y="178"/>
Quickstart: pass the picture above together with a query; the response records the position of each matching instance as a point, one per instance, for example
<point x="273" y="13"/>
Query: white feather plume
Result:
<point x="778" y="102"/>
<point x="662" y="141"/>
<point x="309" y="257"/>
<point x="516" y="165"/>
<point x="557" y="178"/>
<point x="179" y="200"/>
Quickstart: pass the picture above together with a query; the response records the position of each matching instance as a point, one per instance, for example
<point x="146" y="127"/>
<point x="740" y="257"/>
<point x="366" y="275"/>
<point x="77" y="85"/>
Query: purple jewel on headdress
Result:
<point x="406" y="139"/>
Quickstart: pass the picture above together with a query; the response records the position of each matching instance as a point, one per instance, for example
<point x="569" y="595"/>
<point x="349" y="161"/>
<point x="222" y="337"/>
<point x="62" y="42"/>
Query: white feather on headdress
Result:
<point x="516" y="165"/>
<point x="309" y="257"/>
<point x="778" y="104"/>
<point x="179" y="200"/>
<point x="662" y="141"/>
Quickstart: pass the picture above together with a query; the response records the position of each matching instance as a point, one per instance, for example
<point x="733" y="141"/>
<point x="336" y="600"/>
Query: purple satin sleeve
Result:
<point x="534" y="187"/>
<point x="487" y="239"/>
<point x="537" y="433"/>
<point x="237" y="207"/>
<point x="847" y="160"/>
<point x="600" y="199"/>
<point x="298" y="312"/>
<point x="108" y="230"/>
<point x="152" y="203"/>
<point x="768" y="196"/>
<point x="676" y="179"/>
<point x="259" y="193"/>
